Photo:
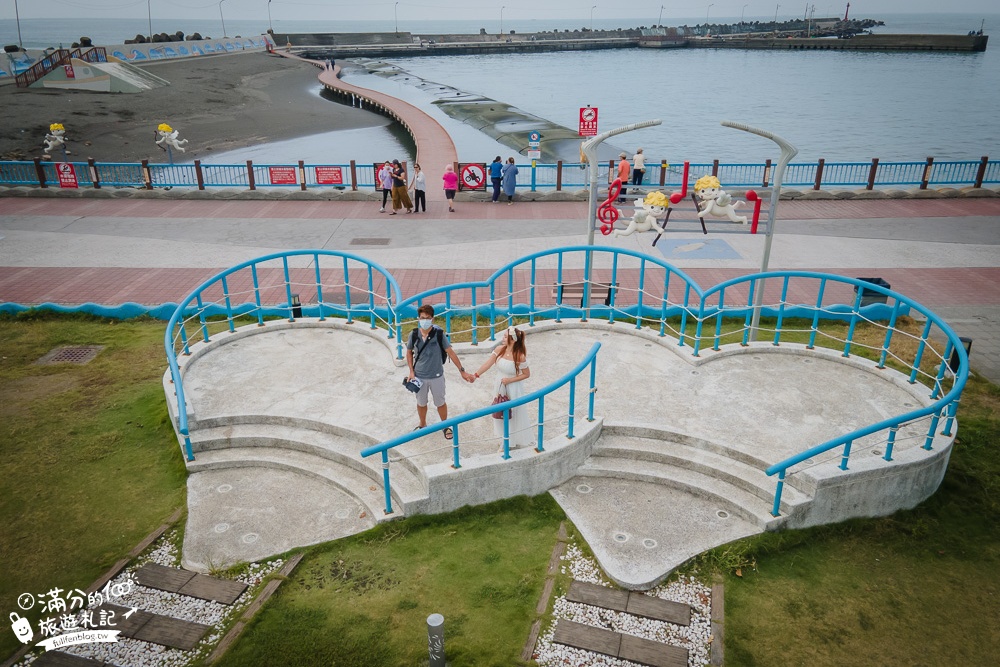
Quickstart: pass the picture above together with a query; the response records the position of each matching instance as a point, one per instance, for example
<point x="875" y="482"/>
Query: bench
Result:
<point x="563" y="292"/>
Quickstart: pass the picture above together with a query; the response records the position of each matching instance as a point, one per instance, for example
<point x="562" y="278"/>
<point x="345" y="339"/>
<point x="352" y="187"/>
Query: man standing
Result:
<point x="624" y="170"/>
<point x="426" y="349"/>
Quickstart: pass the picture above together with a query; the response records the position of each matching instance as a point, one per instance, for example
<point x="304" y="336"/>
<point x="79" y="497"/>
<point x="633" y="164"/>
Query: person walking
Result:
<point x="450" y="179"/>
<point x="427" y="347"/>
<point x="400" y="198"/>
<point x="496" y="176"/>
<point x="419" y="187"/>
<point x="638" y="167"/>
<point x="385" y="181"/>
<point x="624" y="169"/>
<point x="509" y="180"/>
<point x="511" y="360"/>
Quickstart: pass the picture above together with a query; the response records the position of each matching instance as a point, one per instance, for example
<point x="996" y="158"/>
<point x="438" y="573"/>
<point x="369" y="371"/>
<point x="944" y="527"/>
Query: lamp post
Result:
<point x="592" y="18"/>
<point x="776" y="7"/>
<point x="149" y="16"/>
<point x="659" y="21"/>
<point x="707" y="12"/>
<point x="788" y="151"/>
<point x="501" y="19"/>
<point x="395" y="16"/>
<point x="743" y="12"/>
<point x="269" y="25"/>
<point x="223" y="18"/>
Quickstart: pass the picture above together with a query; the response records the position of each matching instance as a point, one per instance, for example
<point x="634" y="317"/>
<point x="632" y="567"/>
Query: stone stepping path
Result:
<point x="616" y="644"/>
<point x="203" y="587"/>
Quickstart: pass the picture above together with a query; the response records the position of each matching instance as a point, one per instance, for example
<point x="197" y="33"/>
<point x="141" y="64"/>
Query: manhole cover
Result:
<point x="76" y="354"/>
<point x="369" y="240"/>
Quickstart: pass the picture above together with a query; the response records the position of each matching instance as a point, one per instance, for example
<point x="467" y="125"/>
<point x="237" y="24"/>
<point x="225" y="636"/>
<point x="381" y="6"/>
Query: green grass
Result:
<point x="364" y="600"/>
<point x="89" y="462"/>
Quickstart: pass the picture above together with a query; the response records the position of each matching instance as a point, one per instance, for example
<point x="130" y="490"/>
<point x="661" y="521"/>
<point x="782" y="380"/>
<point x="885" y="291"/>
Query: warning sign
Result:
<point x="588" y="121"/>
<point x="329" y="176"/>
<point x="67" y="175"/>
<point x="472" y="176"/>
<point x="282" y="175"/>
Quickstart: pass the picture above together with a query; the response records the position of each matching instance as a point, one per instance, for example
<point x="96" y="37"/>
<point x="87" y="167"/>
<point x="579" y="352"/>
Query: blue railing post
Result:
<point x="854" y="322"/>
<point x="819" y="307"/>
<point x="256" y="295"/>
<point x="663" y="305"/>
<point x="347" y="294"/>
<point x="888" y="335"/>
<point x="229" y="305"/>
<point x="919" y="356"/>
<point x="847" y="455"/>
<point x="319" y="291"/>
<point x="184" y="339"/>
<point x="593" y="390"/>
<point x="776" y="508"/>
<point x="506" y="434"/>
<point x="456" y="464"/>
<point x="781" y="311"/>
<point x="952" y="409"/>
<point x="288" y="288"/>
<point x="929" y="441"/>
<point x="891" y="443"/>
<point x="749" y="317"/>
<point x="718" y="319"/>
<point x="188" y="453"/>
<point x="534" y="176"/>
<point x="385" y="481"/>
<point x="493" y="312"/>
<point x="541" y="424"/>
<point x="201" y="318"/>
<point x="531" y="296"/>
<point x="572" y="406"/>
<point x="642" y="287"/>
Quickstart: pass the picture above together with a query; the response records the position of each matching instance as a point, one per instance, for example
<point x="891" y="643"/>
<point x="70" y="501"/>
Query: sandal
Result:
<point x="448" y="433"/>
<point x="418" y="427"/>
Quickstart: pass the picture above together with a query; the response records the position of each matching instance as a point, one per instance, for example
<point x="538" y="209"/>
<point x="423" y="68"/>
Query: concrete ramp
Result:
<point x="113" y="76"/>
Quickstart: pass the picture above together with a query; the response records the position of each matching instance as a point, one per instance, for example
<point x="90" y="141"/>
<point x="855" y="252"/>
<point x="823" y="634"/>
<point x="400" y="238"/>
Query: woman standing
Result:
<point x="400" y="198"/>
<point x="511" y="359"/>
<point x="419" y="186"/>
<point x="385" y="180"/>
<point x="638" y="167"/>
<point x="509" y="180"/>
<point x="450" y="179"/>
<point x="496" y="176"/>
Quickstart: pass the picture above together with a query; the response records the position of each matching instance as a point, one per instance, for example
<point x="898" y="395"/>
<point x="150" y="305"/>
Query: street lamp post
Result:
<point x="395" y="16"/>
<point x="592" y="18"/>
<point x="788" y="151"/>
<point x="149" y="16"/>
<point x="742" y="13"/>
<point x="707" y="12"/>
<point x="223" y="18"/>
<point x="776" y="7"/>
<point x="501" y="19"/>
<point x="18" y="17"/>
<point x="269" y="24"/>
<point x="659" y="21"/>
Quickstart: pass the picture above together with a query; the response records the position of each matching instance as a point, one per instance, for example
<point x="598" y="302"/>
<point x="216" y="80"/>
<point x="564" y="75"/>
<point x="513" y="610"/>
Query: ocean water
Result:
<point x="841" y="106"/>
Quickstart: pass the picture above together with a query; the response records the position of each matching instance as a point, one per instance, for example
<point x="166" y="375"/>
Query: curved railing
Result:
<point x="569" y="378"/>
<point x="269" y="287"/>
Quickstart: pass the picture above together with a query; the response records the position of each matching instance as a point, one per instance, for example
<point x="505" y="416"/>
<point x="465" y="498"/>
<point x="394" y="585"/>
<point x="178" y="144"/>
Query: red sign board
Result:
<point x="588" y="121"/>
<point x="329" y="176"/>
<point x="69" y="71"/>
<point x="282" y="176"/>
<point x="472" y="176"/>
<point x="67" y="175"/>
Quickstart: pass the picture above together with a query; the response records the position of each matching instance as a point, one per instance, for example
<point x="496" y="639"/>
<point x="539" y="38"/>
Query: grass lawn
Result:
<point x="90" y="465"/>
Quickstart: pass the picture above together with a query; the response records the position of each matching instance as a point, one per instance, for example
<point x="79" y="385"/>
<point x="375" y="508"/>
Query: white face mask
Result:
<point x="425" y="324"/>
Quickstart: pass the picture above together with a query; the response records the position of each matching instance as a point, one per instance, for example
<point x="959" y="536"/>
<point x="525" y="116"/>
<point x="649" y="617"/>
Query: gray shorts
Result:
<point x="436" y="387"/>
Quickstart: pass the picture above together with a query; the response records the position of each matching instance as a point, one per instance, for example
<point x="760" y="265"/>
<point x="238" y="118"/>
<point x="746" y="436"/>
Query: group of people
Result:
<point x="427" y="348"/>
<point x="637" y="170"/>
<point x="391" y="178"/>
<point x="503" y="176"/>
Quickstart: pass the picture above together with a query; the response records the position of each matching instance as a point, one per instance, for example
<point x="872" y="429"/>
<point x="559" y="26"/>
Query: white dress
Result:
<point x="523" y="432"/>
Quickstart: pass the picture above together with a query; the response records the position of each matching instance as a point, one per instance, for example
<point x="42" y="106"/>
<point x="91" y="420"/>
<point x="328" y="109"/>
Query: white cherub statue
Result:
<point x="654" y="206"/>
<point x="168" y="136"/>
<point x="715" y="201"/>
<point x="55" y="139"/>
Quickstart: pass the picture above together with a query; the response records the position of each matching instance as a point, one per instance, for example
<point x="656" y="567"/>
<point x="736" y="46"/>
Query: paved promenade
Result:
<point x="944" y="253"/>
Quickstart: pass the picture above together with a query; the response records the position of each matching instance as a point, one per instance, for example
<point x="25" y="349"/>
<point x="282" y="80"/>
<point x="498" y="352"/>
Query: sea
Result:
<point x="842" y="106"/>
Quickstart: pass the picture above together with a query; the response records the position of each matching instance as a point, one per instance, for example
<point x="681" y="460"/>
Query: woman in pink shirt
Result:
<point x="450" y="179"/>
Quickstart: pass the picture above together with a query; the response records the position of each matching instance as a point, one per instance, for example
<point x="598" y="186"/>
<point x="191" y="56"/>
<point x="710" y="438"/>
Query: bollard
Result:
<point x="435" y="640"/>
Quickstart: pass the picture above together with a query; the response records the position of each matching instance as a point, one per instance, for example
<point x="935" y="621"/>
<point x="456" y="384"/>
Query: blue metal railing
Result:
<point x="569" y="378"/>
<point x="626" y="284"/>
<point x="229" y="293"/>
<point x="542" y="176"/>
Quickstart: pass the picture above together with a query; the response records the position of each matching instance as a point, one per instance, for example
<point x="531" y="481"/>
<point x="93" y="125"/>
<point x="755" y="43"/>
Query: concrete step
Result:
<point x="729" y="498"/>
<point x="367" y="491"/>
<point x="408" y="480"/>
<point x="709" y="459"/>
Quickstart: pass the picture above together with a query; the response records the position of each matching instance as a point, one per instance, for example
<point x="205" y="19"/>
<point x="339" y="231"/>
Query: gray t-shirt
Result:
<point x="428" y="364"/>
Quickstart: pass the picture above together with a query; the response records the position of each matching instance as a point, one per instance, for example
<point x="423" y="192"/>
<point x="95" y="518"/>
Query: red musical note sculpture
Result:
<point x="606" y="213"/>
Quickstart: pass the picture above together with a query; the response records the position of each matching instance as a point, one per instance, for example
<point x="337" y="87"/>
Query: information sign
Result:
<point x="282" y="175"/>
<point x="67" y="175"/>
<point x="588" y="121"/>
<point x="329" y="176"/>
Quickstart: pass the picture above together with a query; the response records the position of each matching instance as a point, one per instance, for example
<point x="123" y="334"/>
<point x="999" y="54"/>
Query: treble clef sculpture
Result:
<point x="606" y="213"/>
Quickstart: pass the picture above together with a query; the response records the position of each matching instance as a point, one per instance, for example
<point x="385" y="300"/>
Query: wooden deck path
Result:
<point x="616" y="644"/>
<point x="156" y="628"/>
<point x="203" y="587"/>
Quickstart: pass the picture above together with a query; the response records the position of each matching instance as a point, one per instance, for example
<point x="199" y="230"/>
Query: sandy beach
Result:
<point x="217" y="103"/>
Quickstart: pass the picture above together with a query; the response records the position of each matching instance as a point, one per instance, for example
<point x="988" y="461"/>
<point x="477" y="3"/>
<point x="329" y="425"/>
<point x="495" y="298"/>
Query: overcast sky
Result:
<point x="476" y="9"/>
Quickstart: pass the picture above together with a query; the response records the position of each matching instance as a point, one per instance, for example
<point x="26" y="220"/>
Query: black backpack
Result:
<point x="414" y="338"/>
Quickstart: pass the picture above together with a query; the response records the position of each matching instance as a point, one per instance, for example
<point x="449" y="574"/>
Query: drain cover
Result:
<point x="77" y="354"/>
<point x="369" y="240"/>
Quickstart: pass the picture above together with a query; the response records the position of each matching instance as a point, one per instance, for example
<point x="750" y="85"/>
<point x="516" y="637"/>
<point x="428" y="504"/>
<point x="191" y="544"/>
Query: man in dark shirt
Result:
<point x="426" y="348"/>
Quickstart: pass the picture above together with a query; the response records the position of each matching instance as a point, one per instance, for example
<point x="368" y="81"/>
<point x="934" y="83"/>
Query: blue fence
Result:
<point x="621" y="285"/>
<point x="533" y="176"/>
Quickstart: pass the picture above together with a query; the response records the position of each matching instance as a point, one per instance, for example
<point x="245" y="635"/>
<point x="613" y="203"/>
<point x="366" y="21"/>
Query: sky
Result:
<point x="476" y="9"/>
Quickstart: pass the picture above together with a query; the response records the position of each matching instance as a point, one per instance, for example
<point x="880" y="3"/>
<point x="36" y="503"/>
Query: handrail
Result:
<point x="569" y="377"/>
<point x="179" y="311"/>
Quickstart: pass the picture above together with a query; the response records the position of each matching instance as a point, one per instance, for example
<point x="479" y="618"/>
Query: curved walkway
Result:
<point x="435" y="148"/>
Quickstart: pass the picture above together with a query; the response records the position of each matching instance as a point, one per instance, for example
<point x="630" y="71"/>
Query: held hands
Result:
<point x="468" y="377"/>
